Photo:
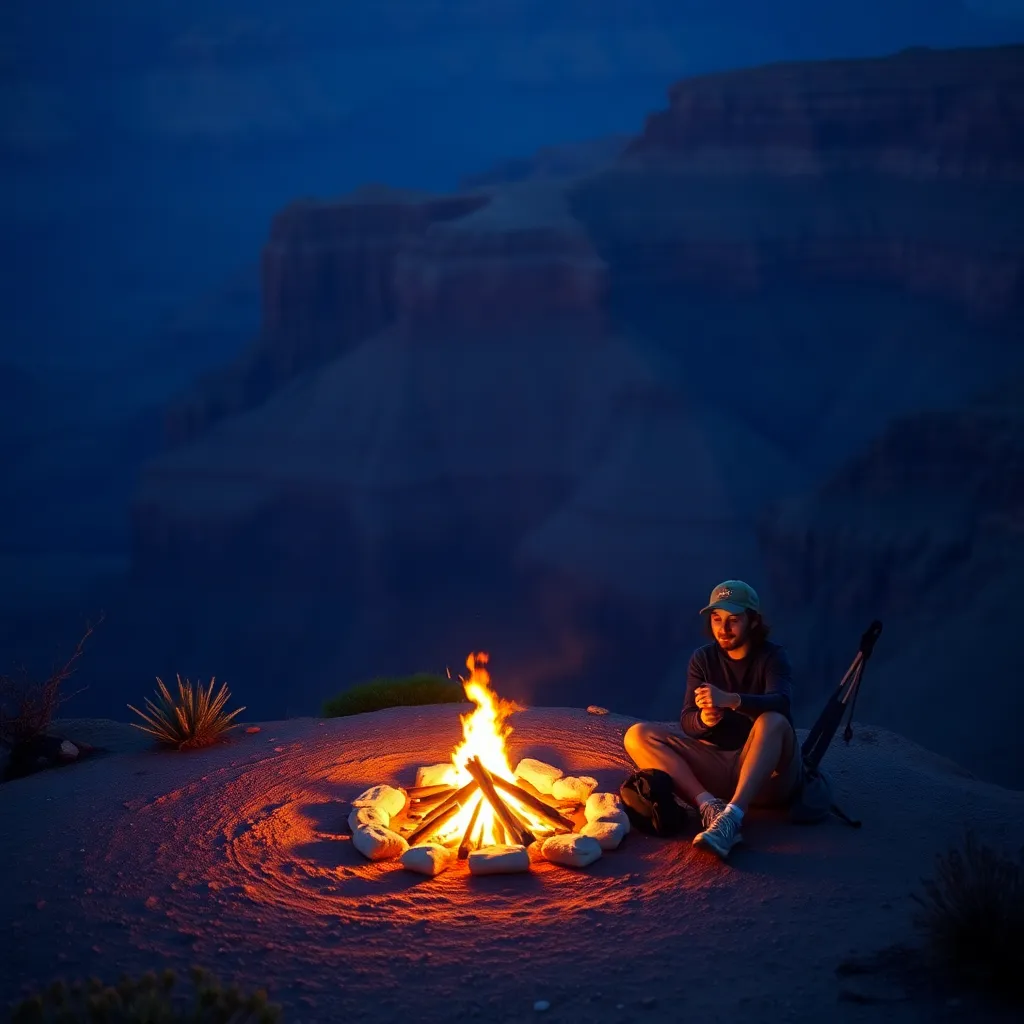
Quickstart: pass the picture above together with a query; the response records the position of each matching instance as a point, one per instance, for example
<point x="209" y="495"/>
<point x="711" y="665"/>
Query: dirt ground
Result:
<point x="238" y="858"/>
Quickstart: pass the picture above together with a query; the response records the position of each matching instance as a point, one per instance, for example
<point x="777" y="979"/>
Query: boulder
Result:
<point x="609" y="834"/>
<point x="372" y="814"/>
<point x="435" y="774"/>
<point x="375" y="842"/>
<point x="384" y="798"/>
<point x="538" y="774"/>
<point x="572" y="850"/>
<point x="601" y="805"/>
<point x="573" y="787"/>
<point x="499" y="860"/>
<point x="429" y="859"/>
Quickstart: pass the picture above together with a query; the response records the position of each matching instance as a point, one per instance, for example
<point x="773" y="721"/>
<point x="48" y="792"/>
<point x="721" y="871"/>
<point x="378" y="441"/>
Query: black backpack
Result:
<point x="651" y="804"/>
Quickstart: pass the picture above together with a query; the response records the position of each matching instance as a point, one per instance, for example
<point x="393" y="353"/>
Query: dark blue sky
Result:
<point x="129" y="130"/>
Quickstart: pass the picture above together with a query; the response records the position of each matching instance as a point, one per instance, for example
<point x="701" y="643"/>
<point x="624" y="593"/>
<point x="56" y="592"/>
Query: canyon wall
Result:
<point x="555" y="411"/>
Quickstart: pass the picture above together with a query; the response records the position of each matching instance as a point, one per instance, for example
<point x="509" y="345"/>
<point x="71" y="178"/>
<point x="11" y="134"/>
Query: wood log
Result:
<point x="542" y="809"/>
<point x="484" y="779"/>
<point x="524" y="825"/>
<point x="418" y="792"/>
<point x="467" y="841"/>
<point x="444" y="813"/>
<point x="429" y="803"/>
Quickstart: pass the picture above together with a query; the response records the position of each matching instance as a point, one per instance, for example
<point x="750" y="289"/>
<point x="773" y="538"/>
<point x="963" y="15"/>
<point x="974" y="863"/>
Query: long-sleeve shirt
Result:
<point x="763" y="679"/>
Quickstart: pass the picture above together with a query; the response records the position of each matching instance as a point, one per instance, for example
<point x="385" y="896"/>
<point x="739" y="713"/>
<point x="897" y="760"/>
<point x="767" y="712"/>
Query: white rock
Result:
<point x="609" y="834"/>
<point x="375" y="842"/>
<point x="573" y="787"/>
<point x="499" y="860"/>
<point x="572" y="850"/>
<point x="385" y="798"/>
<point x="600" y="805"/>
<point x="429" y="859"/>
<point x="361" y="816"/>
<point x="620" y="817"/>
<point x="436" y="775"/>
<point x="538" y="774"/>
<point x="68" y="750"/>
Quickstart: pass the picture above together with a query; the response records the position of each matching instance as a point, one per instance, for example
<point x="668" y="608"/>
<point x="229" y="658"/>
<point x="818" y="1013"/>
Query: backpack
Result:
<point x="812" y="800"/>
<point x="651" y="805"/>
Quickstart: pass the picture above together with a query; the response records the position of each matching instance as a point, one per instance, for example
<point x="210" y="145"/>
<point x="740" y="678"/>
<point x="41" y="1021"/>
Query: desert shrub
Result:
<point x="149" y="999"/>
<point x="972" y="914"/>
<point x="27" y="706"/>
<point x="393" y="692"/>
<point x="196" y="719"/>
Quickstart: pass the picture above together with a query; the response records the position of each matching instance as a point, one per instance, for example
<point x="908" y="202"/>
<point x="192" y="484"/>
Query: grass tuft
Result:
<point x="395" y="691"/>
<point x="972" y="916"/>
<point x="196" y="719"/>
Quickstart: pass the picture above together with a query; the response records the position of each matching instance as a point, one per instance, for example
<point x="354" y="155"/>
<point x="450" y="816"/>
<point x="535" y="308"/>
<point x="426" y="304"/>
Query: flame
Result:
<point x="484" y="732"/>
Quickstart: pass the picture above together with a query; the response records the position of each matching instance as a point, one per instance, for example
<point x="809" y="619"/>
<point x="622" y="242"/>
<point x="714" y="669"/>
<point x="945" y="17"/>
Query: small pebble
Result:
<point x="541" y="1005"/>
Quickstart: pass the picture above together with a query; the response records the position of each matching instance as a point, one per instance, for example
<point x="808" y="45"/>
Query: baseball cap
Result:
<point x="733" y="596"/>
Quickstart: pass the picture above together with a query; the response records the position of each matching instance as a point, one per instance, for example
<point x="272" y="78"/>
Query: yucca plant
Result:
<point x="196" y="719"/>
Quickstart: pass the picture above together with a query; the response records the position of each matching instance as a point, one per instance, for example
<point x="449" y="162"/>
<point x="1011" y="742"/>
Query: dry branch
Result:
<point x="419" y="792"/>
<point x="549" y="814"/>
<point x="523" y="837"/>
<point x="443" y="814"/>
<point x="467" y="842"/>
<point x="26" y="707"/>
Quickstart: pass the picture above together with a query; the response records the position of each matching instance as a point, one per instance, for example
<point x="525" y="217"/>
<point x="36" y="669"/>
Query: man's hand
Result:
<point x="713" y="697"/>
<point x="711" y="716"/>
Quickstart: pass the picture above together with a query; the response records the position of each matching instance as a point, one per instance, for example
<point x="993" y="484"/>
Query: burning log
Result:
<point x="419" y="792"/>
<point x="443" y="814"/>
<point x="483" y="778"/>
<point x="520" y="819"/>
<point x="467" y="839"/>
<point x="429" y="803"/>
<point x="549" y="814"/>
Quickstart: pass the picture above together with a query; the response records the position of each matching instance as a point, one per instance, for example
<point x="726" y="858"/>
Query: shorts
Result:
<point x="719" y="770"/>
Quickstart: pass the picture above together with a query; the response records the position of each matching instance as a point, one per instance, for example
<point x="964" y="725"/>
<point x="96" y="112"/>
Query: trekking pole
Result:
<point x="867" y="646"/>
<point x="821" y="733"/>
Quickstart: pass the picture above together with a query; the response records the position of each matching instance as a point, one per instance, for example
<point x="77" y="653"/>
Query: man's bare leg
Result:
<point x="765" y="747"/>
<point x="646" y="749"/>
<point x="768" y="737"/>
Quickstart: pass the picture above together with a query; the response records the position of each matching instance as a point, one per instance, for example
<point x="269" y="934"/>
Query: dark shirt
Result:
<point x="762" y="679"/>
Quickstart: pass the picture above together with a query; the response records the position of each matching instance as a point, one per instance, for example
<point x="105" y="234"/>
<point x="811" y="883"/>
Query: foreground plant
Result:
<point x="147" y="999"/>
<point x="196" y="719"/>
<point x="972" y="914"/>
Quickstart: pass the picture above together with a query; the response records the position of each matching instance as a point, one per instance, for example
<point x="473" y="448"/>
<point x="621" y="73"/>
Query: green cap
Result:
<point x="733" y="596"/>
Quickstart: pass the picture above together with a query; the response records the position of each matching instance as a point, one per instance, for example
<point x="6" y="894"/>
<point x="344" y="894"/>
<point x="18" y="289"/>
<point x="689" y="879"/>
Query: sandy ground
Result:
<point x="238" y="857"/>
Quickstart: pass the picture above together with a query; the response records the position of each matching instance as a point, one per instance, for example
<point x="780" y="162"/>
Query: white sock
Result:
<point x="735" y="812"/>
<point x="705" y="798"/>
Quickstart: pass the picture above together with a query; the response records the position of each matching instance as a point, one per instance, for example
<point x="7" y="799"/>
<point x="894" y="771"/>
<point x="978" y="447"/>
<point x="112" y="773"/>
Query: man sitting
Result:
<point x="738" y="746"/>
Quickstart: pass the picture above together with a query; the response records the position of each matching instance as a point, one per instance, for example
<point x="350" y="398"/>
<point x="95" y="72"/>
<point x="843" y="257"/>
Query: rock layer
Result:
<point x="920" y="113"/>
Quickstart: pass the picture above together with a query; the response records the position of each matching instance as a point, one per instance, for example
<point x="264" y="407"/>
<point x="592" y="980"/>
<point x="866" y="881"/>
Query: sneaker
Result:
<point x="709" y="812"/>
<point x="721" y="836"/>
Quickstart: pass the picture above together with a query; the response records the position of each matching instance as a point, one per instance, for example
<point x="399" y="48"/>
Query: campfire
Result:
<point x="475" y="808"/>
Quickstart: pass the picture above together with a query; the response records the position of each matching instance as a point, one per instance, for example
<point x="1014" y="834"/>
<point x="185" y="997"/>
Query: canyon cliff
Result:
<point x="548" y="415"/>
